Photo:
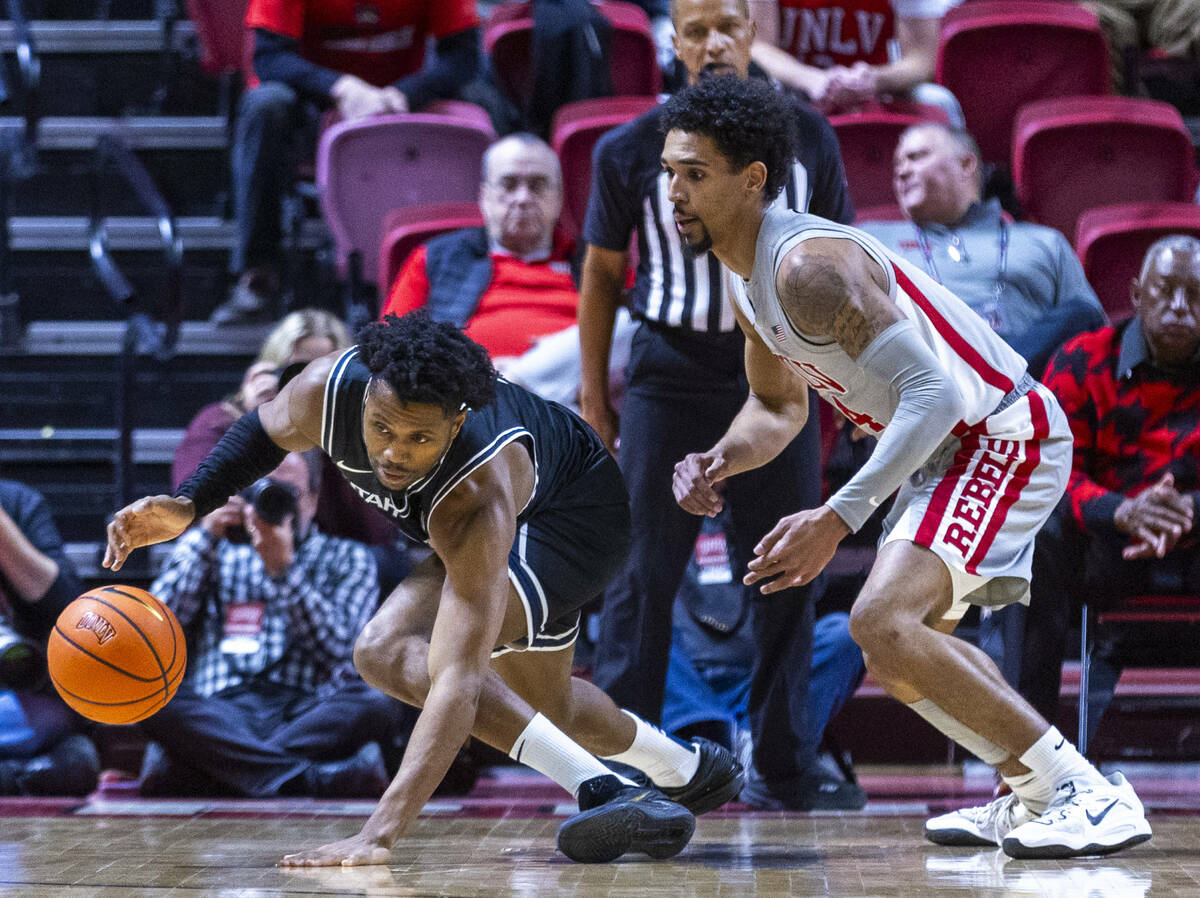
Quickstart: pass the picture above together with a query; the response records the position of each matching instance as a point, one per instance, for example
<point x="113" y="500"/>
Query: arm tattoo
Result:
<point x="819" y="301"/>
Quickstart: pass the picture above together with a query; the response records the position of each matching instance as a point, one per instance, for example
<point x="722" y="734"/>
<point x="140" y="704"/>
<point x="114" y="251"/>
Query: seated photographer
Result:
<point x="41" y="751"/>
<point x="270" y="607"/>
<point x="299" y="337"/>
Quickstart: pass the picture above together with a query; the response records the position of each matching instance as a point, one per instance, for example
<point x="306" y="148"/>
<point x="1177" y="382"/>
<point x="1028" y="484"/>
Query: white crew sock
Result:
<point x="1052" y="760"/>
<point x="668" y="761"/>
<point x="550" y="751"/>
<point x="1031" y="790"/>
<point x="985" y="750"/>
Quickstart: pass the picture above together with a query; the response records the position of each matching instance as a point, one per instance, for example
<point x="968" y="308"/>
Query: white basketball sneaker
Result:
<point x="985" y="825"/>
<point x="1083" y="819"/>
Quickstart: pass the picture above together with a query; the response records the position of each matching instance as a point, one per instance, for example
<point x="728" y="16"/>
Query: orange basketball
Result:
<point x="116" y="654"/>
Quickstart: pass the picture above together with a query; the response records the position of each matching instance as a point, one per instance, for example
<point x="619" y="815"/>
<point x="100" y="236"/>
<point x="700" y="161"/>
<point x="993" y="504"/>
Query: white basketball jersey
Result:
<point x="980" y="364"/>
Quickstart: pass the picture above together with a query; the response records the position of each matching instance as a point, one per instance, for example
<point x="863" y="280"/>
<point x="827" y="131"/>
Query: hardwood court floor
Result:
<point x="121" y="848"/>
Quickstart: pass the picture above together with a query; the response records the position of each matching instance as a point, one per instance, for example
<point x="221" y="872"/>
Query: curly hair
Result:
<point x="427" y="361"/>
<point x="747" y="119"/>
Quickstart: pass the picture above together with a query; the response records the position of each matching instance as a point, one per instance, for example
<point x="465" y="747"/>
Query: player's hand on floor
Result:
<point x="352" y="852"/>
<point x="154" y="519"/>
<point x="796" y="549"/>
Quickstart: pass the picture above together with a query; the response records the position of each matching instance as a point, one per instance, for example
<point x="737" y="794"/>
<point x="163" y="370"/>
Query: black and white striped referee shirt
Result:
<point x="629" y="193"/>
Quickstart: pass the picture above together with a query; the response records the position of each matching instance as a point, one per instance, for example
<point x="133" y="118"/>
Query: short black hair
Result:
<point x="748" y="120"/>
<point x="429" y="362"/>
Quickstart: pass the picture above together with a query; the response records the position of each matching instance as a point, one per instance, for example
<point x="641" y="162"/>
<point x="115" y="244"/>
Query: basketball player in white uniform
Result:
<point x="979" y="451"/>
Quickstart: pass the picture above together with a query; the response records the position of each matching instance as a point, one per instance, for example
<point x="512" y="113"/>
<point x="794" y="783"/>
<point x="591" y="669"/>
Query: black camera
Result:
<point x="22" y="662"/>
<point x="273" y="500"/>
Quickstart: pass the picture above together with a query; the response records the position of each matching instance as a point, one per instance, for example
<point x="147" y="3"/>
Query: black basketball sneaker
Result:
<point x="615" y="818"/>
<point x="718" y="779"/>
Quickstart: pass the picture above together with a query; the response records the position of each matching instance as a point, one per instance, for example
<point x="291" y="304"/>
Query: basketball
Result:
<point x="116" y="654"/>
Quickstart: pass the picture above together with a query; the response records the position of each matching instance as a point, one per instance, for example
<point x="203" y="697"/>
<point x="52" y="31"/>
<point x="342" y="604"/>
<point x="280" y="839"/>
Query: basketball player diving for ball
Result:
<point x="979" y="451"/>
<point x="528" y="518"/>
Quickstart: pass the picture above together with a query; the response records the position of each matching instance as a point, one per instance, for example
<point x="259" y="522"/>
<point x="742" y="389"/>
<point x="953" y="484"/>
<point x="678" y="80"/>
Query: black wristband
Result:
<point x="244" y="454"/>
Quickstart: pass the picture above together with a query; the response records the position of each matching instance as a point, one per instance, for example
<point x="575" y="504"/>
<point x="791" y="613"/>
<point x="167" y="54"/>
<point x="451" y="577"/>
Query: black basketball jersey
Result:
<point x="562" y="447"/>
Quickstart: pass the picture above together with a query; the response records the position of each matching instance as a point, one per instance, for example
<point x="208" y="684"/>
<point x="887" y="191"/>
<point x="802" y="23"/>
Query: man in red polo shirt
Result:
<point x="360" y="57"/>
<point x="511" y="285"/>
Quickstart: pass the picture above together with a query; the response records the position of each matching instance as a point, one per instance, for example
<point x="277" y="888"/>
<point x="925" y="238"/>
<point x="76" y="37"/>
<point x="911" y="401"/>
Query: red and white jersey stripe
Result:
<point x="980" y="364"/>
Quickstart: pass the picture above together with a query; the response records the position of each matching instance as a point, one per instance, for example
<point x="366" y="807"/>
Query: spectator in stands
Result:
<point x="1023" y="279"/>
<point x="1127" y="523"/>
<point x="844" y="53"/>
<point x="512" y="283"/>
<point x="298" y="338"/>
<point x="42" y="751"/>
<point x="270" y="607"/>
<point x="1169" y="28"/>
<point x="686" y="382"/>
<point x="359" y="59"/>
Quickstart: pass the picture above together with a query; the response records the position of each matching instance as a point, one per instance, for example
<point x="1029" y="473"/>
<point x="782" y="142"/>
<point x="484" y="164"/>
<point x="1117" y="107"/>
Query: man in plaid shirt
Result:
<point x="1127" y="522"/>
<point x="270" y="704"/>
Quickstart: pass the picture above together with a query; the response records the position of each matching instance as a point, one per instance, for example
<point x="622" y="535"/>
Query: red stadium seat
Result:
<point x="633" y="58"/>
<point x="1169" y="610"/>
<point x="1112" y="241"/>
<point x="406" y="229"/>
<point x="1076" y="153"/>
<point x="576" y="128"/>
<point x="868" y="139"/>
<point x="997" y="55"/>
<point x="365" y="169"/>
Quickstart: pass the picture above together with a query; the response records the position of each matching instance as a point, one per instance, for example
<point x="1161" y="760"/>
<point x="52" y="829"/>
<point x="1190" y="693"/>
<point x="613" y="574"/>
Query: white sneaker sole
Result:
<point x="1015" y="849"/>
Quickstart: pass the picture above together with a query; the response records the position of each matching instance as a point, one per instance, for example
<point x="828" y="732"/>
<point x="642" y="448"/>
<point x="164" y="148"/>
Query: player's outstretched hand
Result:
<point x="796" y="549"/>
<point x="352" y="852"/>
<point x="696" y="483"/>
<point x="154" y="519"/>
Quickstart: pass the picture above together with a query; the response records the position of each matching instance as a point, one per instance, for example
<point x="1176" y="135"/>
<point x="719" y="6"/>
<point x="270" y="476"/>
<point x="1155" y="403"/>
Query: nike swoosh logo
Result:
<point x="1095" y="821"/>
<point x="1061" y="743"/>
<point x="644" y="794"/>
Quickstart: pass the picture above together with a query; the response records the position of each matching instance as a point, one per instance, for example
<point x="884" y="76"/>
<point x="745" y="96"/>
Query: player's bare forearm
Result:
<point x="441" y="730"/>
<point x="758" y="434"/>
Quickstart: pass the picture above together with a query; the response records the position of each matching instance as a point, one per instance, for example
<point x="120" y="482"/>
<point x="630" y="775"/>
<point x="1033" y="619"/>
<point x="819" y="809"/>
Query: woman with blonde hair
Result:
<point x="300" y="336"/>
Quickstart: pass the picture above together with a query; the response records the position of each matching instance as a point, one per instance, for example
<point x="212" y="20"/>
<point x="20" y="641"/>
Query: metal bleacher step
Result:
<point x="186" y="157"/>
<point x="151" y="445"/>
<point x="75" y="470"/>
<point x="88" y="338"/>
<point x="97" y="36"/>
<point x="52" y="269"/>
<point x="69" y="233"/>
<point x="179" y="132"/>
<point x="99" y="67"/>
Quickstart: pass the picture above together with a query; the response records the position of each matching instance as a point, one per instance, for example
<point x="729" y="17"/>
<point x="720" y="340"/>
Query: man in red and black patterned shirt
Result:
<point x="1127" y="522"/>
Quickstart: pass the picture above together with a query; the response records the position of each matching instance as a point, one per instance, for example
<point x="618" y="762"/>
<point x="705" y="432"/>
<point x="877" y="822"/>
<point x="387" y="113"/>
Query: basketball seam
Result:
<point x="140" y="632"/>
<point x="67" y="639"/>
<point x="172" y="623"/>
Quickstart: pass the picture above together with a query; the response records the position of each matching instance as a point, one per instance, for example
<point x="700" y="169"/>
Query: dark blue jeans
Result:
<point x="273" y="131"/>
<point x="721" y="695"/>
<point x="683" y="391"/>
